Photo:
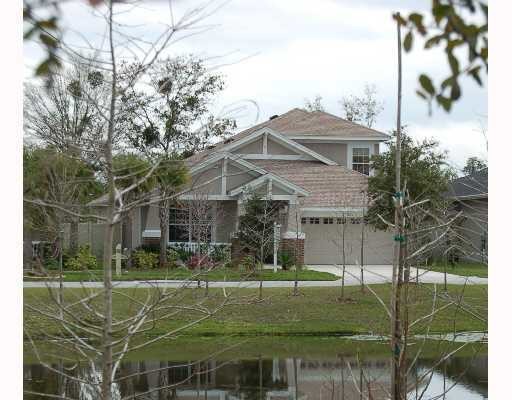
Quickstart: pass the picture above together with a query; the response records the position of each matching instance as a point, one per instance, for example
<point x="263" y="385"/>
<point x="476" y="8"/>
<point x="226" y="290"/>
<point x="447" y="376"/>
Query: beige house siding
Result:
<point x="255" y="147"/>
<point x="474" y="229"/>
<point x="278" y="149"/>
<point x="212" y="175"/>
<point x="226" y="220"/>
<point x="236" y="177"/>
<point x="376" y="147"/>
<point x="334" y="151"/>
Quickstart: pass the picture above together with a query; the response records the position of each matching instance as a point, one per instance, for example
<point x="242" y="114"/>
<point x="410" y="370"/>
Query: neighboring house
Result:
<point x="469" y="195"/>
<point x="315" y="162"/>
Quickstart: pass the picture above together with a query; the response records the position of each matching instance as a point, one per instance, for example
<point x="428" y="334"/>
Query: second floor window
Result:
<point x="361" y="160"/>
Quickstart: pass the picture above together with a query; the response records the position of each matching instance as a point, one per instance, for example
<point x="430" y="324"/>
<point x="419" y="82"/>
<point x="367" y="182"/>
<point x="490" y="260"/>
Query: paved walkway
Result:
<point x="383" y="274"/>
<point x="372" y="275"/>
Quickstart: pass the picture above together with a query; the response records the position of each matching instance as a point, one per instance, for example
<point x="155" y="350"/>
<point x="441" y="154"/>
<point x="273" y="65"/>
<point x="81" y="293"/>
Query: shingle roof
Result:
<point x="469" y="186"/>
<point x="299" y="122"/>
<point x="328" y="185"/>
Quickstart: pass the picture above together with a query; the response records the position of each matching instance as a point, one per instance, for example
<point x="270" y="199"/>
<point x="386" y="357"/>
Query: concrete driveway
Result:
<point x="383" y="274"/>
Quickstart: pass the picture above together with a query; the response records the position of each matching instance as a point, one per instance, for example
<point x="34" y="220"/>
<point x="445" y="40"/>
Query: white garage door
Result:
<point x="324" y="238"/>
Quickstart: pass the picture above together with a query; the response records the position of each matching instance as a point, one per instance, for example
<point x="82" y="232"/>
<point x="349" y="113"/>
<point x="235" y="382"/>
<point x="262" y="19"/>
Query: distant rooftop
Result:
<point x="469" y="186"/>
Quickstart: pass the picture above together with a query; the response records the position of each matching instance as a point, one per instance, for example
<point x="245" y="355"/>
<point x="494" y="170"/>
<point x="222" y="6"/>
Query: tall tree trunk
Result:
<point x="343" y="256"/>
<point x="396" y="334"/>
<point x="163" y="214"/>
<point x="106" y="382"/>
<point x="362" y="249"/>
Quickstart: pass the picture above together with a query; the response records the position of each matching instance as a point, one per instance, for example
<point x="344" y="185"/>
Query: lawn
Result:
<point x="314" y="312"/>
<point x="464" y="269"/>
<point x="219" y="274"/>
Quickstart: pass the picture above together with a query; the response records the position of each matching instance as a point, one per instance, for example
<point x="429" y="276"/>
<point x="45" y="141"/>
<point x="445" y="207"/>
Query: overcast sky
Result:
<point x="277" y="53"/>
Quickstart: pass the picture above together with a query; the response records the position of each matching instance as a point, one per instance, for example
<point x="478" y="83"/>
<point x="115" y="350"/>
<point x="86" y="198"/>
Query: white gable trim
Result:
<point x="328" y="139"/>
<point x="275" y="180"/>
<point x="235" y="158"/>
<point x="285" y="157"/>
<point x="279" y="138"/>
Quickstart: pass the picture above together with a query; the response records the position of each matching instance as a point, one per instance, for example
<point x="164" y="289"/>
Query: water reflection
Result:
<point x="336" y="378"/>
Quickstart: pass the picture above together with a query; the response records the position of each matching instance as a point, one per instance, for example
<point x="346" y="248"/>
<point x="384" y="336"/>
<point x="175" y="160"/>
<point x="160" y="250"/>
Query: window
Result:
<point x="303" y="220"/>
<point x="179" y="221"/>
<point x="183" y="228"/>
<point x="355" y="221"/>
<point x="328" y="221"/>
<point x="314" y="220"/>
<point x="341" y="221"/>
<point x="361" y="160"/>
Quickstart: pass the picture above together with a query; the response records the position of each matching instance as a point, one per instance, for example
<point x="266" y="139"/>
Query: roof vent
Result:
<point x="273" y="117"/>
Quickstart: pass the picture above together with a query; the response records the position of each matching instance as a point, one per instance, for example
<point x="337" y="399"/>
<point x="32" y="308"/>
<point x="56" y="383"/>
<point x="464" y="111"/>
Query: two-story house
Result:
<point x="315" y="162"/>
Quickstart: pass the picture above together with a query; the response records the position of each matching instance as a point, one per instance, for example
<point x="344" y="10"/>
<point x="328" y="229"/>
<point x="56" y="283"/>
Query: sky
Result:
<point x="275" y="54"/>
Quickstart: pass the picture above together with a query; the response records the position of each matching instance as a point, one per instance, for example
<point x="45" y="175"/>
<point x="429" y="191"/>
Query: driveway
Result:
<point x="383" y="274"/>
<point x="372" y="274"/>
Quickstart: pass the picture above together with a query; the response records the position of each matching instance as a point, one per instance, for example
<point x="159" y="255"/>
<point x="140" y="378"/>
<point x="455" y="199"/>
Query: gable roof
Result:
<point x="275" y="179"/>
<point x="301" y="123"/>
<point x="279" y="139"/>
<point x="328" y="185"/>
<point x="469" y="186"/>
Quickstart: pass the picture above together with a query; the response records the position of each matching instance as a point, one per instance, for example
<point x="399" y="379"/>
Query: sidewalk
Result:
<point x="374" y="274"/>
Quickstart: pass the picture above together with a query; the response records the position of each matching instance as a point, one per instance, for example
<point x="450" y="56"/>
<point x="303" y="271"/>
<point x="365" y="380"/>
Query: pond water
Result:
<point x="242" y="375"/>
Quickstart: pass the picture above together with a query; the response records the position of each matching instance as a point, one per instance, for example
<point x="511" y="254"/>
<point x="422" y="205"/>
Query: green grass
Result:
<point x="315" y="312"/>
<point x="219" y="274"/>
<point x="229" y="348"/>
<point x="463" y="269"/>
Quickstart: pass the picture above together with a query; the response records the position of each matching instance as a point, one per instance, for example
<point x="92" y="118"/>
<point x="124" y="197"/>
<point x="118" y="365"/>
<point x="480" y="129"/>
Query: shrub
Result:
<point x="83" y="260"/>
<point x="199" y="260"/>
<point x="221" y="254"/>
<point x="150" y="248"/>
<point x="172" y="257"/>
<point x="145" y="259"/>
<point x="286" y="259"/>
<point x="51" y="264"/>
<point x="182" y="253"/>
<point x="247" y="264"/>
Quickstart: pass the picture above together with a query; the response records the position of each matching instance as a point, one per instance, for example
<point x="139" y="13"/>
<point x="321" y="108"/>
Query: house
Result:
<point x="468" y="195"/>
<point x="316" y="163"/>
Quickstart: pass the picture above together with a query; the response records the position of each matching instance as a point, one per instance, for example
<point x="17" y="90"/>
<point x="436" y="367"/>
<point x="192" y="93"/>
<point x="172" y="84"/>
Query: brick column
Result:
<point x="293" y="247"/>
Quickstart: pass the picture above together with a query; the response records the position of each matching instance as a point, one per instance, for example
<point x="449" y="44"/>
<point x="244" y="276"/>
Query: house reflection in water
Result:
<point x="263" y="379"/>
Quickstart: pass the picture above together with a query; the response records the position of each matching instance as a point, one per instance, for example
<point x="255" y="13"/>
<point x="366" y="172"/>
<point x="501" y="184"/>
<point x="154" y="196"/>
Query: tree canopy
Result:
<point x="456" y="26"/>
<point x="173" y="116"/>
<point x="56" y="178"/>
<point x="424" y="172"/>
<point x="474" y="164"/>
<point x="362" y="109"/>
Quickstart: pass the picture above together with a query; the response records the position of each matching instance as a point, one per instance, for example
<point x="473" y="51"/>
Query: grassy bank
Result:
<point x="316" y="311"/>
<point x="306" y="347"/>
<point x="463" y="269"/>
<point x="219" y="274"/>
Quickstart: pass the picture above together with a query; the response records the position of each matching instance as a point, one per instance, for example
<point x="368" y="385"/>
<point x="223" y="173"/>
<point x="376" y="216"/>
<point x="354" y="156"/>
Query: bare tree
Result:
<point x="314" y="105"/>
<point x="362" y="109"/>
<point x="256" y="228"/>
<point x="114" y="335"/>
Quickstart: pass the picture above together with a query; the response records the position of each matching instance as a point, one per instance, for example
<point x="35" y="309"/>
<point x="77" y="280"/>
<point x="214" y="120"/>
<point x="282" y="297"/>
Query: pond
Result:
<point x="334" y="369"/>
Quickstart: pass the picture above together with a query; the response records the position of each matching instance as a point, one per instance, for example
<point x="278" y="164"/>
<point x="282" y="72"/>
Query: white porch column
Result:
<point x="240" y="210"/>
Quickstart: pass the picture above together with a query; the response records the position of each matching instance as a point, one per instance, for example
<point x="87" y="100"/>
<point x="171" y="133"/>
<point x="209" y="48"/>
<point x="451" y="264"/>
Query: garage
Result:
<point x="324" y="241"/>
